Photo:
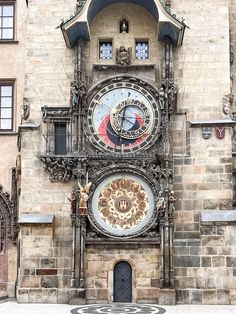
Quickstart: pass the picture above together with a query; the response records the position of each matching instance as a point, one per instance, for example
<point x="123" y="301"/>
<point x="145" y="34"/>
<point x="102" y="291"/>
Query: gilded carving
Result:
<point x="84" y="196"/>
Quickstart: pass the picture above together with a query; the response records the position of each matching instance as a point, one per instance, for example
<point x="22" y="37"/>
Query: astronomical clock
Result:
<point x="114" y="140"/>
<point x="123" y="117"/>
<point x="124" y="144"/>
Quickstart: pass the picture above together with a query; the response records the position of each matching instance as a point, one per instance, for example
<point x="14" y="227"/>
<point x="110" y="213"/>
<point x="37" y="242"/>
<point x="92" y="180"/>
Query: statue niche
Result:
<point x="124" y="26"/>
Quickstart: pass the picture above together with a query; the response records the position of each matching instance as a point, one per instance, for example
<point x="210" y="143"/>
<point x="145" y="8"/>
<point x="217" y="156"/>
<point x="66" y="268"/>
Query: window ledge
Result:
<point x="32" y="218"/>
<point x="2" y="41"/>
<point x="219" y="217"/>
<point x="8" y="133"/>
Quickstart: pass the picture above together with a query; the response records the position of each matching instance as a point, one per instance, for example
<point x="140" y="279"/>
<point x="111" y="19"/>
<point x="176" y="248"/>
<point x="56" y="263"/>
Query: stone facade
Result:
<point x="53" y="256"/>
<point x="12" y="64"/>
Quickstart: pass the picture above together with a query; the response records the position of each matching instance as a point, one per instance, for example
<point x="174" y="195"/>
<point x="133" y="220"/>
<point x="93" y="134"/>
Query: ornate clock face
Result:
<point x="122" y="205"/>
<point x="123" y="117"/>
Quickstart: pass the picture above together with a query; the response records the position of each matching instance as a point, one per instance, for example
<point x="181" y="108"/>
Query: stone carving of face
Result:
<point x="226" y="106"/>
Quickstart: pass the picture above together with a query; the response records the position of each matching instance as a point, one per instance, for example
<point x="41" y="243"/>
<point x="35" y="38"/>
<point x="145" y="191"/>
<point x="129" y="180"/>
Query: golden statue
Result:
<point x="84" y="196"/>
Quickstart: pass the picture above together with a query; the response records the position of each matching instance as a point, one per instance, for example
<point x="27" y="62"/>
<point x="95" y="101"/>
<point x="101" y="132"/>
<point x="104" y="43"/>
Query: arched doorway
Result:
<point x="122" y="282"/>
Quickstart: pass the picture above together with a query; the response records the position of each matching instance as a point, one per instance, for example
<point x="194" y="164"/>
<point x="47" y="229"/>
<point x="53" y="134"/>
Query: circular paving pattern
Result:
<point x="118" y="309"/>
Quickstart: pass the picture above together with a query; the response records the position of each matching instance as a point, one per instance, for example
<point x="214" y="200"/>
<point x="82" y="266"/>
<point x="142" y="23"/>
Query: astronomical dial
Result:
<point x="123" y="117"/>
<point x="122" y="205"/>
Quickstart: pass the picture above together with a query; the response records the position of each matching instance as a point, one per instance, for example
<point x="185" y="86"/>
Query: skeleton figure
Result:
<point x="84" y="196"/>
<point x="73" y="201"/>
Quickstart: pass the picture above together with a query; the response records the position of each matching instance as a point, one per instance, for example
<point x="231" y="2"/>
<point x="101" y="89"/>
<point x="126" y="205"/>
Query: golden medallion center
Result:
<point x="123" y="204"/>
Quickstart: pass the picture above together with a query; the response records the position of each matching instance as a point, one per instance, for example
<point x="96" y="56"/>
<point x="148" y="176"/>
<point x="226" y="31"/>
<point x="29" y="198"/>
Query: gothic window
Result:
<point x="58" y="130"/>
<point x="141" y="49"/>
<point x="6" y="106"/>
<point x="105" y="50"/>
<point x="7" y="12"/>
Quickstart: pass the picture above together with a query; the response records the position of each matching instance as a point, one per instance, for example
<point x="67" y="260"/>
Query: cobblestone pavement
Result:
<point x="15" y="308"/>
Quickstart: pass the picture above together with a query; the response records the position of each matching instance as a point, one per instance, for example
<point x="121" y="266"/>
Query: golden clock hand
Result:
<point x="102" y="104"/>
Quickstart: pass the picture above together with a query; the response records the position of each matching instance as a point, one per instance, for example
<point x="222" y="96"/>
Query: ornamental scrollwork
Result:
<point x="57" y="112"/>
<point x="59" y="169"/>
<point x="8" y="215"/>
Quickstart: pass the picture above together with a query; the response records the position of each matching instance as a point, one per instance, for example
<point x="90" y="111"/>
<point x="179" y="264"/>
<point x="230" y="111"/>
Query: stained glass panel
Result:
<point x="105" y="50"/>
<point x="6" y="101"/>
<point x="142" y="50"/>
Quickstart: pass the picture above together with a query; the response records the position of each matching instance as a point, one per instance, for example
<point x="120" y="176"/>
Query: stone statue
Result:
<point x="74" y="94"/>
<point x="123" y="56"/>
<point x="227" y="102"/>
<point x="124" y="27"/>
<point x="84" y="196"/>
<point x="73" y="202"/>
<point x="172" y="98"/>
<point x="25" y="111"/>
<point x="162" y="97"/>
<point x="172" y="201"/>
<point x="160" y="205"/>
<point x="78" y="94"/>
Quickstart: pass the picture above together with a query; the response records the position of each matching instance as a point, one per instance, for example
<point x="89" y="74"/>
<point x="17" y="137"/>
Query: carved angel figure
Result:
<point x="123" y="56"/>
<point x="84" y="196"/>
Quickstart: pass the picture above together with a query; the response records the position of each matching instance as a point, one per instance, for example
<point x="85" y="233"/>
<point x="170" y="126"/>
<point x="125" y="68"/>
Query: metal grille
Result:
<point x="123" y="282"/>
<point x="141" y="50"/>
<point x="105" y="50"/>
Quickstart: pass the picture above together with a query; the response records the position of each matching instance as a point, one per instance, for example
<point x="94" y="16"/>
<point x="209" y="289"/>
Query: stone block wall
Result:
<point x="12" y="65"/>
<point x="205" y="267"/>
<point x="203" y="168"/>
<point x="49" y="65"/>
<point x="45" y="265"/>
<point x="202" y="67"/>
<point x="100" y="263"/>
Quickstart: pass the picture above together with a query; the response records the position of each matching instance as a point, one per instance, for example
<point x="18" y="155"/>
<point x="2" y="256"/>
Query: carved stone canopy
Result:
<point x="78" y="26"/>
